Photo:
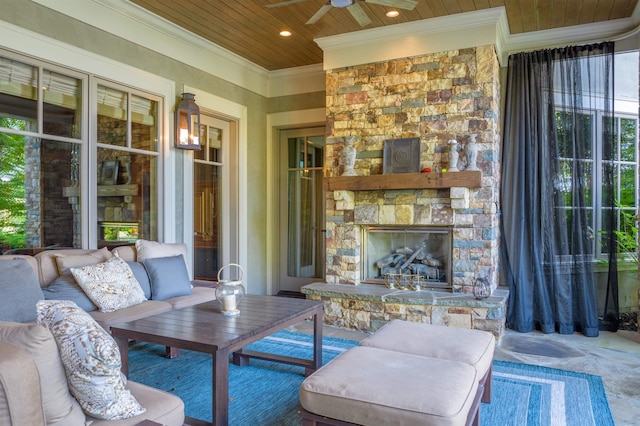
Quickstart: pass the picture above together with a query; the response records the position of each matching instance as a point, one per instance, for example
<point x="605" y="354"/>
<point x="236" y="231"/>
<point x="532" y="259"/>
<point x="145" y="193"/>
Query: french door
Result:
<point x="208" y="198"/>
<point x="301" y="208"/>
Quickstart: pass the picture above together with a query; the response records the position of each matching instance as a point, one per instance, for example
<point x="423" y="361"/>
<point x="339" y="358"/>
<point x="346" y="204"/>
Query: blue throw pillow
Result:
<point x="140" y="274"/>
<point x="168" y="276"/>
<point x="66" y="288"/>
<point x="20" y="290"/>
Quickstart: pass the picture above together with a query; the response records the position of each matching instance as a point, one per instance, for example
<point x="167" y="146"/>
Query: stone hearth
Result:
<point x="368" y="307"/>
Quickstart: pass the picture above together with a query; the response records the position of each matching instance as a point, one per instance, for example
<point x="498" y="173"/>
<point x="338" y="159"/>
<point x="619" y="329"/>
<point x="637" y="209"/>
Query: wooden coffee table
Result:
<point x="204" y="328"/>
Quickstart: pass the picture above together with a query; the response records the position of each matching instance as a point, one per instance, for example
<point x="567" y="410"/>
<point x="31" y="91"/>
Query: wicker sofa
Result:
<point x="31" y="367"/>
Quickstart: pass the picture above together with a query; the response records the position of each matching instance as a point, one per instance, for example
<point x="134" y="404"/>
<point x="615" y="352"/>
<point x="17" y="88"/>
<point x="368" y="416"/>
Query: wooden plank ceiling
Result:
<point x="251" y="30"/>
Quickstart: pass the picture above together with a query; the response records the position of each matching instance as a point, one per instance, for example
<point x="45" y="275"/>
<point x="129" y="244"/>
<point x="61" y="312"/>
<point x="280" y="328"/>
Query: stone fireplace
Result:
<point x="438" y="97"/>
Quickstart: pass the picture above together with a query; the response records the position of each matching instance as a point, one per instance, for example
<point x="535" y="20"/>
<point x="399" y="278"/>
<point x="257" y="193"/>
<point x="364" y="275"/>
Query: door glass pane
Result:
<point x="305" y="207"/>
<point x="62" y="104"/>
<point x="207" y="220"/>
<point x="18" y="95"/>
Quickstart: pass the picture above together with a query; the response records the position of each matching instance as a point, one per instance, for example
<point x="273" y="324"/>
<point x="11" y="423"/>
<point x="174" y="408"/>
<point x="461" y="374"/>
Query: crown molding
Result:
<point x="432" y="35"/>
<point x="126" y="20"/>
<point x="291" y="81"/>
<point x="577" y="34"/>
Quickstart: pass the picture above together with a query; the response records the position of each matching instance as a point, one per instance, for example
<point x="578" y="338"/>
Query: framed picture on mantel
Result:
<point x="108" y="172"/>
<point x="401" y="156"/>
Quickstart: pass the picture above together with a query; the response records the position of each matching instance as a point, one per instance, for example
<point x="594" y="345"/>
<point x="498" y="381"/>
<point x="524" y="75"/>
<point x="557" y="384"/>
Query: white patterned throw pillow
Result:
<point x="91" y="360"/>
<point x="110" y="285"/>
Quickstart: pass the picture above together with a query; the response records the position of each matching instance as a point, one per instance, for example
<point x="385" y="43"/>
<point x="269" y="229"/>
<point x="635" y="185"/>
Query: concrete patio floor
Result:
<point x="615" y="357"/>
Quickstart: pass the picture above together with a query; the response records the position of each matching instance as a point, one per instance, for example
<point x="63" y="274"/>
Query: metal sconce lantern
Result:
<point x="188" y="123"/>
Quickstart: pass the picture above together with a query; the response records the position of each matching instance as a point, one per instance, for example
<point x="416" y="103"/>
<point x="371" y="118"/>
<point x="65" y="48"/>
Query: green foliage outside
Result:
<point x="13" y="214"/>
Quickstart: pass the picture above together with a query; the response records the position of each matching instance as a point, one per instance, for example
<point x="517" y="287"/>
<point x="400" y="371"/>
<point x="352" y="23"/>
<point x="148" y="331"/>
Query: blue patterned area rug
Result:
<point x="266" y="393"/>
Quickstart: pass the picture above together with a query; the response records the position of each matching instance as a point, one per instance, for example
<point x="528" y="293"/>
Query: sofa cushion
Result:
<point x="143" y="310"/>
<point x="168" y="276"/>
<point x="152" y="249"/>
<point x="66" y="288"/>
<point x="36" y="339"/>
<point x="67" y="261"/>
<point x="19" y="382"/>
<point x="20" y="290"/>
<point x="91" y="360"/>
<point x="110" y="285"/>
<point x="140" y="273"/>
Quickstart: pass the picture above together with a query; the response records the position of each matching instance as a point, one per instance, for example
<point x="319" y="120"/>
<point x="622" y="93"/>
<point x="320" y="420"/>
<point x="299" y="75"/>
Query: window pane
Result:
<point x="127" y="197"/>
<point x="627" y="185"/>
<point x="628" y="139"/>
<point x="207" y="219"/>
<point x="40" y="193"/>
<point x="112" y="116"/>
<point x="18" y="95"/>
<point x="62" y="107"/>
<point x="144" y="119"/>
<point x="574" y="134"/>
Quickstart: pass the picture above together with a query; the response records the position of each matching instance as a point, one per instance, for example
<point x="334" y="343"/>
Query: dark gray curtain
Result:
<point x="547" y="191"/>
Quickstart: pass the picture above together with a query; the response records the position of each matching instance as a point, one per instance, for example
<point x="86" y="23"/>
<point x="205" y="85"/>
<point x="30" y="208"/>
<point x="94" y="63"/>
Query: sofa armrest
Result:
<point x="20" y="394"/>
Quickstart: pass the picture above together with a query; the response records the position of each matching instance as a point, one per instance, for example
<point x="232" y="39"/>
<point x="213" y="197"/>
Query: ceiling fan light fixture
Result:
<point x="342" y="3"/>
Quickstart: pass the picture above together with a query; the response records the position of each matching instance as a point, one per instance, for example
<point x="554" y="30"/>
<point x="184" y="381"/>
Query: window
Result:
<point x="127" y="135"/>
<point x="41" y="128"/>
<point x="51" y="158"/>
<point x="593" y="160"/>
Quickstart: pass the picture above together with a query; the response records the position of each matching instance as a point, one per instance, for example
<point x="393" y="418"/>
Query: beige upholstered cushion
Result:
<point x="143" y="310"/>
<point x="371" y="386"/>
<point x="91" y="359"/>
<point x="67" y="261"/>
<point x="473" y="347"/>
<point x="19" y="382"/>
<point x="152" y="249"/>
<point x="162" y="407"/>
<point x="38" y="342"/>
<point x="110" y="285"/>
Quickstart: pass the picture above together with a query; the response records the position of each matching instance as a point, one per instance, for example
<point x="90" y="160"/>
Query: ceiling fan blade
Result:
<point x="359" y="14"/>
<point x="319" y="14"/>
<point x="283" y="3"/>
<point x="400" y="4"/>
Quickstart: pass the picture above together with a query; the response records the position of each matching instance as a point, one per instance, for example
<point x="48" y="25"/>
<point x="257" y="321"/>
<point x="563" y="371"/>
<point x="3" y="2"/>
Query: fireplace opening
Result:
<point x="414" y="250"/>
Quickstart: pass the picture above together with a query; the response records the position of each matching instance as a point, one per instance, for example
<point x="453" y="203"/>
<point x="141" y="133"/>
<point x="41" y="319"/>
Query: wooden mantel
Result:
<point x="431" y="180"/>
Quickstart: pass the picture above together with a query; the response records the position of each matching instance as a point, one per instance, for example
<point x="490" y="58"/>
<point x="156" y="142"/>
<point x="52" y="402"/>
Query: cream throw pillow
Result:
<point x="91" y="360"/>
<point x="110" y="285"/>
<point x="152" y="249"/>
<point x="67" y="261"/>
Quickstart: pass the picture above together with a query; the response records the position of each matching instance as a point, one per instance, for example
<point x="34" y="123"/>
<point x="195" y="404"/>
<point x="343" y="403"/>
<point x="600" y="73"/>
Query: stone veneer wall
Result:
<point x="436" y="97"/>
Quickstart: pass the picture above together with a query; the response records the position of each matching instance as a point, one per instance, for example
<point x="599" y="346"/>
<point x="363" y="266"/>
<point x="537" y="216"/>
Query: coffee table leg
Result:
<point x="317" y="343"/>
<point x="220" y="388"/>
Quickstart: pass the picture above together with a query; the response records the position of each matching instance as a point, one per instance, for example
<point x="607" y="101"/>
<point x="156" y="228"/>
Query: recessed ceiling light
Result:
<point x="392" y="13"/>
<point x="285" y="33"/>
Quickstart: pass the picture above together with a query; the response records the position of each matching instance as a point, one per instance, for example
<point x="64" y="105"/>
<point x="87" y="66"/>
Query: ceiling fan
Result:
<point x="352" y="6"/>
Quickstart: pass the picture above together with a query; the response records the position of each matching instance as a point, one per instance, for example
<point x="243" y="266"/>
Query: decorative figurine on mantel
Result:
<point x="453" y="155"/>
<point x="349" y="157"/>
<point x="471" y="152"/>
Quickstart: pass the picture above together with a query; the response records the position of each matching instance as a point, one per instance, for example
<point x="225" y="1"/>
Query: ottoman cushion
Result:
<point x="473" y="347"/>
<point x="371" y="386"/>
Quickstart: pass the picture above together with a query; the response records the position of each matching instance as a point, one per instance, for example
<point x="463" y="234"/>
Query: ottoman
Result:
<point x="372" y="386"/>
<point x="472" y="347"/>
